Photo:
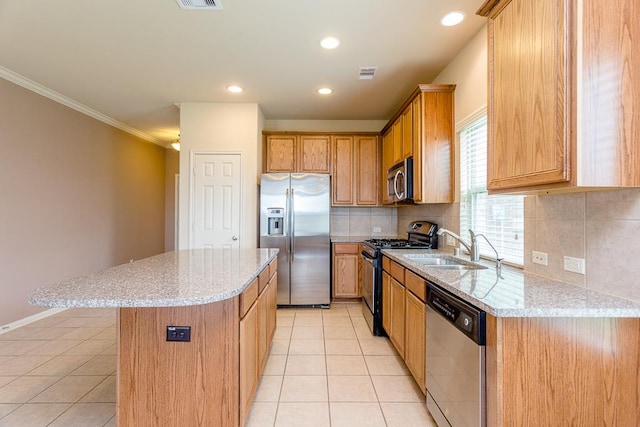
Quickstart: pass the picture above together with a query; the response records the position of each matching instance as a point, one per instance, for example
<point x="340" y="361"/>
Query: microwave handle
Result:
<point x="395" y="185"/>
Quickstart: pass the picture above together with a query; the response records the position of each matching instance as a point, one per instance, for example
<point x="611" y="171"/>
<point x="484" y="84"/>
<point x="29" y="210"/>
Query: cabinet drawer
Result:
<point x="346" y="248"/>
<point x="248" y="296"/>
<point x="263" y="278"/>
<point x="416" y="285"/>
<point x="273" y="267"/>
<point x="397" y="271"/>
<point x="386" y="262"/>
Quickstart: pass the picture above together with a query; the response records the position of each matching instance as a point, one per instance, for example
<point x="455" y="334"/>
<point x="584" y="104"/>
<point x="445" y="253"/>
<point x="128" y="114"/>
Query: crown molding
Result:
<point x="64" y="100"/>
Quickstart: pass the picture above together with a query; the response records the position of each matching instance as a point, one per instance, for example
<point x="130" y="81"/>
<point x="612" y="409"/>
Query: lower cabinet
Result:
<point x="415" y="334"/>
<point x="346" y="270"/>
<point x="404" y="313"/>
<point x="257" y="327"/>
<point x="397" y="304"/>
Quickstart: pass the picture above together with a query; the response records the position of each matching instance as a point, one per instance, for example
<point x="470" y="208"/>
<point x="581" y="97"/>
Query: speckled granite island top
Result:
<point x="172" y="279"/>
<point x="516" y="293"/>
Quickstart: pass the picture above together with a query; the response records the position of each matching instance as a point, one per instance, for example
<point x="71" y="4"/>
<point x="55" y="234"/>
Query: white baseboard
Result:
<point x="30" y="319"/>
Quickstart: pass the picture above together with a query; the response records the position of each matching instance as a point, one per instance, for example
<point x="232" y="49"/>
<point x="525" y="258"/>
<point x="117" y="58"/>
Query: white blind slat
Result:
<point x="500" y="218"/>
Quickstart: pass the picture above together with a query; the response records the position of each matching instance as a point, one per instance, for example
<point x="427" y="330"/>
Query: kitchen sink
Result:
<point x="443" y="262"/>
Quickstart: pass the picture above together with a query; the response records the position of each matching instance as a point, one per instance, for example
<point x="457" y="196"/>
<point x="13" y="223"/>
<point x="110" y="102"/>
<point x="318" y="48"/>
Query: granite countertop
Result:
<point x="178" y="278"/>
<point x="516" y="293"/>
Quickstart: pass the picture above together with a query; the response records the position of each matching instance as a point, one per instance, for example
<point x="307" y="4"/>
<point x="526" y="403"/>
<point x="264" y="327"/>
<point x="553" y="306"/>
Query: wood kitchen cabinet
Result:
<point x="580" y="371"/>
<point x="562" y="110"/>
<point x="354" y="170"/>
<point x="386" y="163"/>
<point x="424" y="129"/>
<point x="415" y="327"/>
<point x="296" y="153"/>
<point x="346" y="270"/>
<point x="393" y="302"/>
<point x="257" y="328"/>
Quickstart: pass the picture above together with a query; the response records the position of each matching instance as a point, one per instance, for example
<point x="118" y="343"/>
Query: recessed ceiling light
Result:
<point x="325" y="91"/>
<point x="451" y="19"/>
<point x="235" y="89"/>
<point x="329" y="42"/>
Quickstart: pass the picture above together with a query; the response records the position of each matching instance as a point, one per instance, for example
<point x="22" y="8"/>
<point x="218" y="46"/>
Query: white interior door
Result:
<point x="216" y="201"/>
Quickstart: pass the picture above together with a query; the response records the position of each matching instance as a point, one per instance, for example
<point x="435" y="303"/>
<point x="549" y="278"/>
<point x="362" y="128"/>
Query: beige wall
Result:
<point x="219" y="128"/>
<point x="172" y="168"/>
<point x="76" y="196"/>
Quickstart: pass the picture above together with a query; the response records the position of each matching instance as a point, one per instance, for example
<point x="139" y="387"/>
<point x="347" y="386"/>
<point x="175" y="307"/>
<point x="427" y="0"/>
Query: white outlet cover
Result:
<point x="539" y="257"/>
<point x="574" y="265"/>
<point x="451" y="241"/>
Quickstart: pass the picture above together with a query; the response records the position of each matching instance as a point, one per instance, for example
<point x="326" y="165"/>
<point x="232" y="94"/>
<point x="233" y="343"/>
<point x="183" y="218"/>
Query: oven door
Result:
<point x="368" y="281"/>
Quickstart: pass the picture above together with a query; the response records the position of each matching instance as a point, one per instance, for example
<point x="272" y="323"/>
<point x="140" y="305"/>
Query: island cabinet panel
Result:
<point x="249" y="363"/>
<point x="154" y="375"/>
<point x="574" y="371"/>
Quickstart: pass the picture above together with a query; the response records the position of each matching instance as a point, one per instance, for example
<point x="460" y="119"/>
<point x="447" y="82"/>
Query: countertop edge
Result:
<point x="620" y="307"/>
<point x="35" y="298"/>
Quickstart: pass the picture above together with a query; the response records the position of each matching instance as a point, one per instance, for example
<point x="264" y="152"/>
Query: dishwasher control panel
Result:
<point x="467" y="318"/>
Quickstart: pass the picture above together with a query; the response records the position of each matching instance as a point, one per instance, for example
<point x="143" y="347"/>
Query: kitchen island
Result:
<point x="556" y="354"/>
<point x="201" y="376"/>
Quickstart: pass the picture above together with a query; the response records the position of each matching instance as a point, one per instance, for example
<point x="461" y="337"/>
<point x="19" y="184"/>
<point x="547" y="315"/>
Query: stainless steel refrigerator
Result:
<point x="295" y="218"/>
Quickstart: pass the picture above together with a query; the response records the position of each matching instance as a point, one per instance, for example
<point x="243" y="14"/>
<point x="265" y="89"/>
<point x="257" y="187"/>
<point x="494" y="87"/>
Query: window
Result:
<point x="500" y="218"/>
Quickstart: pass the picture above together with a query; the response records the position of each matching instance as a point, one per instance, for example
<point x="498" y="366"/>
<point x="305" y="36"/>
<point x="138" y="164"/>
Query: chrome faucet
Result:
<point x="471" y="248"/>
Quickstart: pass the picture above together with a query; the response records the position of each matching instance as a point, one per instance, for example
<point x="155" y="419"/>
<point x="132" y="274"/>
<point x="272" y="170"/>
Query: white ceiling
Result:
<point x="132" y="60"/>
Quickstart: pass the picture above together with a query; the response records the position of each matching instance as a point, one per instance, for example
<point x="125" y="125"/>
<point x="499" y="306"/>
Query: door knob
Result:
<point x="234" y="238"/>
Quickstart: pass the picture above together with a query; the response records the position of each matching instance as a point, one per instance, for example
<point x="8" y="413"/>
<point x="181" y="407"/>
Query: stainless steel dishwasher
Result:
<point x="455" y="368"/>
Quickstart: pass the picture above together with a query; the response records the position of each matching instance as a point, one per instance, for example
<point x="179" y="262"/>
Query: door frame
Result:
<point x="192" y="185"/>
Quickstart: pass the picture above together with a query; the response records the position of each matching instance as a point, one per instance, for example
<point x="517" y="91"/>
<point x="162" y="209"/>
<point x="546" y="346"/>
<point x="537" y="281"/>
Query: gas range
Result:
<point x="421" y="235"/>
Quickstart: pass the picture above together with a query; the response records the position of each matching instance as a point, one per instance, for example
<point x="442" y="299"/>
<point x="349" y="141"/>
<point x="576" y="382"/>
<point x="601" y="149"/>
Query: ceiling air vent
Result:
<point x="367" y="73"/>
<point x="200" y="4"/>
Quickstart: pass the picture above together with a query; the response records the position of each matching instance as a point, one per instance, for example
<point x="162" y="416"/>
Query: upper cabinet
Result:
<point x="351" y="159"/>
<point x="297" y="153"/>
<point x="423" y="128"/>
<point x="355" y="170"/>
<point x="564" y="85"/>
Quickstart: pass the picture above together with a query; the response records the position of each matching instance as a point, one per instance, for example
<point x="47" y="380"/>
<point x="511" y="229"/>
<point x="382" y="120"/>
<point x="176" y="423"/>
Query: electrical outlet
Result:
<point x="179" y="333"/>
<point x="575" y="265"/>
<point x="539" y="257"/>
<point x="450" y="241"/>
<point x="377" y="229"/>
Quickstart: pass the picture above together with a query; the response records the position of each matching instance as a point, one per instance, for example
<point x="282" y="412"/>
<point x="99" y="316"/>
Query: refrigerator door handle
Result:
<point x="293" y="227"/>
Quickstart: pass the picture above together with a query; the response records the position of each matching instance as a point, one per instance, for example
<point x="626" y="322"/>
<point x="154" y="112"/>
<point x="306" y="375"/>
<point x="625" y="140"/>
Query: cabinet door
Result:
<point x="271" y="294"/>
<point x="346" y="262"/>
<point x="414" y="349"/>
<point x="263" y="324"/>
<point x="529" y="105"/>
<point x="314" y="152"/>
<point x="397" y="140"/>
<point x="416" y="133"/>
<point x="366" y="182"/>
<point x="387" y="162"/>
<point x="397" y="316"/>
<point x="407" y="132"/>
<point x="248" y="360"/>
<point x="342" y="181"/>
<point x="280" y="153"/>
<point x="386" y="302"/>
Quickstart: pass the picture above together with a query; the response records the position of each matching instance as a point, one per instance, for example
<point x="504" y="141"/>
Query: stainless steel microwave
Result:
<point x="400" y="181"/>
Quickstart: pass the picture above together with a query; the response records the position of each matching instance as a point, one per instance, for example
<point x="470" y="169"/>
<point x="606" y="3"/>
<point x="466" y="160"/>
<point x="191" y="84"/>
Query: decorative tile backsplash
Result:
<point x="363" y="222"/>
<point x="602" y="227"/>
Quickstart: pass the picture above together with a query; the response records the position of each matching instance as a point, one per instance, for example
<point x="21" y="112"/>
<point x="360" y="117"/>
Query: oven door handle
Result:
<point x="367" y="257"/>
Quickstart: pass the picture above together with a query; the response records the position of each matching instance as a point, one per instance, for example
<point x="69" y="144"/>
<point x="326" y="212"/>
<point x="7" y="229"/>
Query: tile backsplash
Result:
<point x="602" y="227"/>
<point x="362" y="222"/>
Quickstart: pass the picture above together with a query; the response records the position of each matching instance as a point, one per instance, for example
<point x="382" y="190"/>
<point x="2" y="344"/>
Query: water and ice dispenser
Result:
<point x="275" y="221"/>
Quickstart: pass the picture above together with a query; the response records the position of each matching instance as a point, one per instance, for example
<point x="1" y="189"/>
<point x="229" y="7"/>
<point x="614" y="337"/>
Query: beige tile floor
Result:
<point x="324" y="369"/>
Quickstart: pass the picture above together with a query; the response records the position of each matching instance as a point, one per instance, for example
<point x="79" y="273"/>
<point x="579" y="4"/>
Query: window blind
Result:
<point x="500" y="218"/>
